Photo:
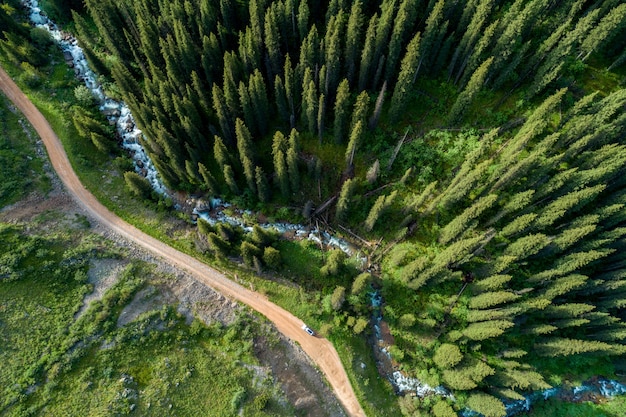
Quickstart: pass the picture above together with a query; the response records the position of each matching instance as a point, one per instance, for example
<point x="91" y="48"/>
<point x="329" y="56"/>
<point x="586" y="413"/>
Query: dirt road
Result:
<point x="319" y="350"/>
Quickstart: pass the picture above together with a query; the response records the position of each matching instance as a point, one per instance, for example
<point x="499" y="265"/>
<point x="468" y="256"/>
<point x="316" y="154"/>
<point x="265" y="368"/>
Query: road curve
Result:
<point x="320" y="350"/>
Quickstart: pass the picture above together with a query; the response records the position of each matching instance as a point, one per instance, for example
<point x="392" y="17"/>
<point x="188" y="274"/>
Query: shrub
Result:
<point x="272" y="258"/>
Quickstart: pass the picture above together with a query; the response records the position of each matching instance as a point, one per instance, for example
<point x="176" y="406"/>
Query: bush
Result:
<point x="41" y="38"/>
<point x="237" y="400"/>
<point x="338" y="297"/>
<point x="138" y="185"/>
<point x="443" y="409"/>
<point x="334" y="263"/>
<point x="272" y="258"/>
<point x="447" y="355"/>
<point x="84" y="96"/>
<point x="486" y="404"/>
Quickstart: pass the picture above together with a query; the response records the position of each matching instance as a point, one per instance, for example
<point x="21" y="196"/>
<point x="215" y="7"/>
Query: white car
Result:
<point x="308" y="330"/>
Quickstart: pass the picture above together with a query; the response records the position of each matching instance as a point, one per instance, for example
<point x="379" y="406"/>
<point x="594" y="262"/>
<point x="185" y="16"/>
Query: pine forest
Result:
<point x="478" y="146"/>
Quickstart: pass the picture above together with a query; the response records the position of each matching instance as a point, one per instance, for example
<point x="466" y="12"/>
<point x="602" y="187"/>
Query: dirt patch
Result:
<point x="35" y="204"/>
<point x="102" y="274"/>
<point x="202" y="302"/>
<point x="147" y="299"/>
<point x="301" y="382"/>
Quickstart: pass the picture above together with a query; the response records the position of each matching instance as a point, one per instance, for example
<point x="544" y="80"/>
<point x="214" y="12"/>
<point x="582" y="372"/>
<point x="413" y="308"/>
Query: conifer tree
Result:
<point x="279" y="149"/>
<point x="472" y="32"/>
<point x="403" y="22"/>
<point x="272" y="258"/>
<point x="222" y="113"/>
<point x="408" y="73"/>
<point x="309" y="105"/>
<point x="353" y="39"/>
<point x="310" y="50"/>
<point x="280" y="94"/>
<point x="137" y="184"/>
<point x="432" y="34"/>
<point x="303" y="18"/>
<point x="474" y="85"/>
<point x="447" y="355"/>
<point x="249" y="252"/>
<point x="368" y="54"/>
<point x="605" y="29"/>
<point x="231" y="94"/>
<point x="333" y="51"/>
<point x="347" y="189"/>
<point x="334" y="264"/>
<point x="262" y="186"/>
<point x="290" y="89"/>
<point x="555" y="346"/>
<point x="249" y="50"/>
<point x="220" y="153"/>
<point x="361" y="283"/>
<point x="355" y="140"/>
<point x="460" y="224"/>
<point x="210" y="184"/>
<point x="246" y="154"/>
<point x="229" y="178"/>
<point x="383" y="31"/>
<point x="486" y="329"/>
<point x="246" y="106"/>
<point x="360" y="111"/>
<point x="260" y="103"/>
<point x="487" y="405"/>
<point x="341" y="110"/>
<point x="292" y="169"/>
<point x="382" y="203"/>
<point x="272" y="38"/>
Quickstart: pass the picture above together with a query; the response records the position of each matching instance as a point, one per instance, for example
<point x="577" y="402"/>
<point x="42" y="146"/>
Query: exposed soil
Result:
<point x="298" y="378"/>
<point x="194" y="283"/>
<point x="102" y="274"/>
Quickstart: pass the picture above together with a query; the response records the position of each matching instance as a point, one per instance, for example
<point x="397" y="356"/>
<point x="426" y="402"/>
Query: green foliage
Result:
<point x="486" y="404"/>
<point x="337" y="298"/>
<point x="272" y="258"/>
<point x="138" y="185"/>
<point x="84" y="96"/>
<point x="343" y="203"/>
<point x="447" y="355"/>
<point x="334" y="262"/>
<point x="443" y="409"/>
<point x="361" y="283"/>
<point x="15" y="161"/>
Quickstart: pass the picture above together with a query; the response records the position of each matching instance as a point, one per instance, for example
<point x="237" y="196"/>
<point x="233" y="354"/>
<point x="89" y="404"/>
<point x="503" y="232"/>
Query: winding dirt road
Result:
<point x="319" y="350"/>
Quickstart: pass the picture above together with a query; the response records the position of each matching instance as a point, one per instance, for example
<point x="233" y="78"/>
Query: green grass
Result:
<point x="373" y="391"/>
<point x="19" y="170"/>
<point x="88" y="365"/>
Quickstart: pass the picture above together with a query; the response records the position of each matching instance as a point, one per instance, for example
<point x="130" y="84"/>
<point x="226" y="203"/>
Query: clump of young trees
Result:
<point x="256" y="249"/>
